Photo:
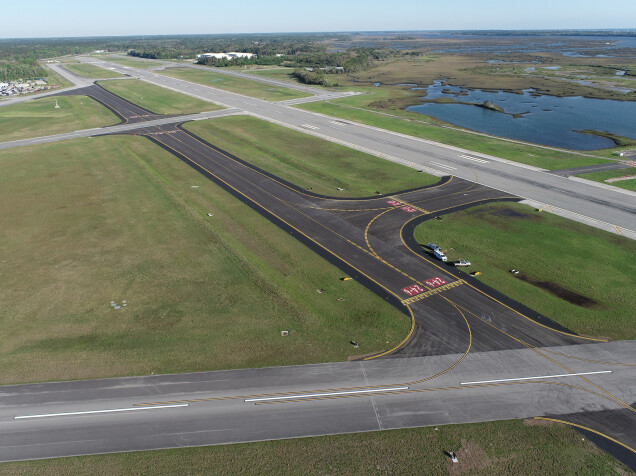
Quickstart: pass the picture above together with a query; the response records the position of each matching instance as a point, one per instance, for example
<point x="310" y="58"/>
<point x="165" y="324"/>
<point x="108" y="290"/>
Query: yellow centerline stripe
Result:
<point x="587" y="429"/>
<point x="284" y="221"/>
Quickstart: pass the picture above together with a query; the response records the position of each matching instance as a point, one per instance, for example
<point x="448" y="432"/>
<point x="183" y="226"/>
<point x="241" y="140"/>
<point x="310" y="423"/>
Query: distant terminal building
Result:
<point x="230" y="55"/>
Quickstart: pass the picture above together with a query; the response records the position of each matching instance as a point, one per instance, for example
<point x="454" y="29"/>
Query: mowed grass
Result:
<point x="629" y="184"/>
<point x="157" y="99"/>
<point x="358" y="109"/>
<point x="549" y="249"/>
<point x="39" y="117"/>
<point x="307" y="161"/>
<point x="233" y="84"/>
<point x="488" y="449"/>
<point x="91" y="71"/>
<point x="90" y="221"/>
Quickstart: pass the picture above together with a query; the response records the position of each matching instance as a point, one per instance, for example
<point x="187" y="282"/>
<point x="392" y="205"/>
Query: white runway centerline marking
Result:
<point x="113" y="410"/>
<point x="444" y="166"/>
<point x="326" y="394"/>
<point x="539" y="377"/>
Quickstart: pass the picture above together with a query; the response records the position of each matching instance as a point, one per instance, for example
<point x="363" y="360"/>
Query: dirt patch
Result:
<point x="471" y="457"/>
<point x="560" y="292"/>
<point x="502" y="212"/>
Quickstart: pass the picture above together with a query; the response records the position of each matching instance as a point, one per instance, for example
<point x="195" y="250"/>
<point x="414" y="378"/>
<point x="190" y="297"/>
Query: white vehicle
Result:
<point x="439" y="254"/>
<point x="461" y="262"/>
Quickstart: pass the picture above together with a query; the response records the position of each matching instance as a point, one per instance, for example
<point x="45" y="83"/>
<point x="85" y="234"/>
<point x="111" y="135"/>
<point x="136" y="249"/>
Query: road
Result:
<point x="462" y="333"/>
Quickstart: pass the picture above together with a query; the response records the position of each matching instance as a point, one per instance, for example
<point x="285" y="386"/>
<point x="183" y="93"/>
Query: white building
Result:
<point x="231" y="55"/>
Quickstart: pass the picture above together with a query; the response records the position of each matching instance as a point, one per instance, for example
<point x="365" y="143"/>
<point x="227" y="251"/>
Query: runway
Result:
<point x="471" y="354"/>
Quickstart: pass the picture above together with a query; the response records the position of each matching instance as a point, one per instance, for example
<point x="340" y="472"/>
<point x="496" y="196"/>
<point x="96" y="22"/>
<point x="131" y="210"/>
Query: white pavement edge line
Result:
<point x="539" y="377"/>
<point x="570" y="215"/>
<point x="601" y="185"/>
<point x="113" y="410"/>
<point x="434" y="143"/>
<point x="328" y="394"/>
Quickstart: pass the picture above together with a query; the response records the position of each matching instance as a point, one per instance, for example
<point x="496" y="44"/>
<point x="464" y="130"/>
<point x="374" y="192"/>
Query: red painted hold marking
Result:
<point x="395" y="203"/>
<point x="435" y="282"/>
<point x="413" y="289"/>
<point x="408" y="209"/>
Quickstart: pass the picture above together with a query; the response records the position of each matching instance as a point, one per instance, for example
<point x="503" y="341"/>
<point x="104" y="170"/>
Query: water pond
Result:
<point x="529" y="117"/>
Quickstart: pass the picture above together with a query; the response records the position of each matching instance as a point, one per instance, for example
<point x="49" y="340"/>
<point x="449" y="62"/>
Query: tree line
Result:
<point x="11" y="71"/>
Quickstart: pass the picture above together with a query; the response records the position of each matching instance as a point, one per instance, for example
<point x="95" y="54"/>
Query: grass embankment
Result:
<point x="91" y="71"/>
<point x="495" y="448"/>
<point x="358" y="109"/>
<point x="233" y="84"/>
<point x="39" y="117"/>
<point x="79" y="230"/>
<point x="619" y="141"/>
<point x="629" y="184"/>
<point x="157" y="99"/>
<point x="307" y="161"/>
<point x="593" y="271"/>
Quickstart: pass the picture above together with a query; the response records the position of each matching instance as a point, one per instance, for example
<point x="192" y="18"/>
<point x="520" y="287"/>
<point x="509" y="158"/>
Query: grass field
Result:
<point x="91" y="71"/>
<point x="129" y="61"/>
<point x="38" y="117"/>
<point x="280" y="74"/>
<point x="253" y="89"/>
<point x="602" y="176"/>
<point x="594" y="271"/>
<point x="357" y="109"/>
<point x="90" y="221"/>
<point x="489" y="449"/>
<point x="157" y="99"/>
<point x="308" y="161"/>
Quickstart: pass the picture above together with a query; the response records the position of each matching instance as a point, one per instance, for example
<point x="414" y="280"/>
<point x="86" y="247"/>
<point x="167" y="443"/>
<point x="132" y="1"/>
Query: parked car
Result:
<point x="461" y="262"/>
<point x="433" y="247"/>
<point x="439" y="254"/>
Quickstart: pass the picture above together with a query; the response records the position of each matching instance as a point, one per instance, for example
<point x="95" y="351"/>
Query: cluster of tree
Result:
<point x="13" y="70"/>
<point x="264" y="45"/>
<point x="351" y="60"/>
<point x="310" y="77"/>
<point x="221" y="62"/>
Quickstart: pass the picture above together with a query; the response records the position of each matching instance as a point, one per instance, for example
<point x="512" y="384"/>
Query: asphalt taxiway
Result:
<point x="471" y="354"/>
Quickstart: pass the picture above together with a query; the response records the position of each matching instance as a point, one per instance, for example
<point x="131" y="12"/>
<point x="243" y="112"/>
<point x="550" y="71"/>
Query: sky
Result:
<point x="39" y="18"/>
